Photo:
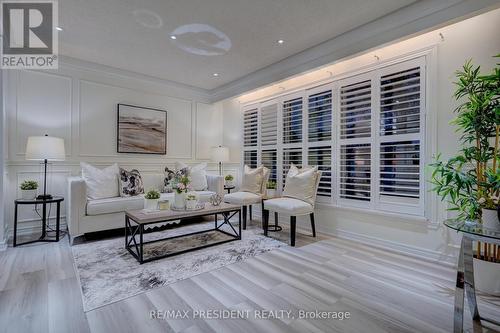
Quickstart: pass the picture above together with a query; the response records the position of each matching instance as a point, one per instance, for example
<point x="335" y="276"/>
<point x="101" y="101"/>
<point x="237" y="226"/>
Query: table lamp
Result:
<point x="220" y="154"/>
<point x="45" y="148"/>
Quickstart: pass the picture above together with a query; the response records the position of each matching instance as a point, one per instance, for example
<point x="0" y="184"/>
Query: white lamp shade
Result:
<point x="45" y="148"/>
<point x="220" y="154"/>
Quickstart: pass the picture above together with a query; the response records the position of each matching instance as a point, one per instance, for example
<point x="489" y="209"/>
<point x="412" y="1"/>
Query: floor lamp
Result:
<point x="220" y="155"/>
<point x="45" y="148"/>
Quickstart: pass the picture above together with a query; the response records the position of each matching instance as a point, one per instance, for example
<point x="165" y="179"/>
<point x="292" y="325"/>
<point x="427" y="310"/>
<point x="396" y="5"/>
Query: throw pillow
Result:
<point x="252" y="179"/>
<point x="196" y="173"/>
<point x="301" y="183"/>
<point x="101" y="183"/>
<point x="130" y="183"/>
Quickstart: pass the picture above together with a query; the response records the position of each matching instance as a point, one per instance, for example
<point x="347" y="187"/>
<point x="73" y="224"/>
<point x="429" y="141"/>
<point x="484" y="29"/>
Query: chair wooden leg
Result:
<point x="250" y="211"/>
<point x="265" y="220"/>
<point x="313" y="227"/>
<point x="244" y="212"/>
<point x="293" y="225"/>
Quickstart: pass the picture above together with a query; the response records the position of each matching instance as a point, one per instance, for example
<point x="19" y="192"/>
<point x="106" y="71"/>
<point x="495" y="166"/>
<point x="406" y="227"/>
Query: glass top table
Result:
<point x="471" y="231"/>
<point x="475" y="230"/>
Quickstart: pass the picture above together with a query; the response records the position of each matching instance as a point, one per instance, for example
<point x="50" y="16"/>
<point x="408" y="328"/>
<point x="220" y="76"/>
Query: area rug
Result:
<point x="108" y="273"/>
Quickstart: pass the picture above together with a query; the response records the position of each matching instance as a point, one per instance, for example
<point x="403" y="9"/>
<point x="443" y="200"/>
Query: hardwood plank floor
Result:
<point x="382" y="291"/>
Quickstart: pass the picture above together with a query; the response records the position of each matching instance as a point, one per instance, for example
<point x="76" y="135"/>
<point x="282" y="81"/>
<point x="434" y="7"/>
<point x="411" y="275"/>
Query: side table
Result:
<point x="229" y="188"/>
<point x="465" y="271"/>
<point x="44" y="203"/>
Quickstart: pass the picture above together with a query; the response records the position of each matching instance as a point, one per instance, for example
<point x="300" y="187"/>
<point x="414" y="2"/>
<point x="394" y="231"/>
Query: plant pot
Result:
<point x="489" y="217"/>
<point x="151" y="204"/>
<point x="229" y="183"/>
<point x="191" y="204"/>
<point x="28" y="194"/>
<point x="271" y="193"/>
<point x="179" y="200"/>
<point x="486" y="275"/>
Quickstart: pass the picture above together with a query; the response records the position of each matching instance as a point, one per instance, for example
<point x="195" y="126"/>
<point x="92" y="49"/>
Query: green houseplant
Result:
<point x="271" y="188"/>
<point x="470" y="180"/>
<point x="151" y="199"/>
<point x="229" y="180"/>
<point x="28" y="189"/>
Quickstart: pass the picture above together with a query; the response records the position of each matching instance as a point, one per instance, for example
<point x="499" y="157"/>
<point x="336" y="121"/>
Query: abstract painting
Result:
<point x="141" y="130"/>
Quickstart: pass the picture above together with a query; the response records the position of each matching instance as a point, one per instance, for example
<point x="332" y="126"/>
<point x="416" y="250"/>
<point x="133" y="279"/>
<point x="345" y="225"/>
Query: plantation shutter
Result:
<point x="320" y="116"/>
<point x="292" y="121"/>
<point x="401" y="112"/>
<point x="355" y="140"/>
<point x="269" y="160"/>
<point x="250" y="158"/>
<point x="250" y="128"/>
<point x="322" y="157"/>
<point x="269" y="125"/>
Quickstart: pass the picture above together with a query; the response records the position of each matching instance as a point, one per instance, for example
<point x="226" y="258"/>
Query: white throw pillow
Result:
<point x="252" y="180"/>
<point x="301" y="183"/>
<point x="197" y="175"/>
<point x="101" y="183"/>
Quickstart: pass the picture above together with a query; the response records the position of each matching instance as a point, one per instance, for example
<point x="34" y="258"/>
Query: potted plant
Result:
<point x="151" y="200"/>
<point x="271" y="188"/>
<point x="469" y="181"/>
<point x="191" y="201"/>
<point x="229" y="180"/>
<point x="28" y="189"/>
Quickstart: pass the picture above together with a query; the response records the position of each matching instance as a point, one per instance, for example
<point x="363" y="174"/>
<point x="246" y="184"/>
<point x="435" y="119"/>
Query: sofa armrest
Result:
<point x="75" y="204"/>
<point x="216" y="184"/>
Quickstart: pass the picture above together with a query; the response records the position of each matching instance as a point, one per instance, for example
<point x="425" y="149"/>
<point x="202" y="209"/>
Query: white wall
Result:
<point x="3" y="145"/>
<point x="78" y="102"/>
<point x="475" y="38"/>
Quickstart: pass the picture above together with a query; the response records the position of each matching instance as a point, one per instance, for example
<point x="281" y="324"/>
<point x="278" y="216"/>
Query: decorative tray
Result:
<point x="199" y="206"/>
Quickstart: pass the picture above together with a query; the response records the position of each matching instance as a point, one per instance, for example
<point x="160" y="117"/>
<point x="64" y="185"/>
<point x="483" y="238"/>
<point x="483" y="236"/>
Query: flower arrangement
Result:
<point x="152" y="195"/>
<point x="29" y="185"/>
<point x="182" y="184"/>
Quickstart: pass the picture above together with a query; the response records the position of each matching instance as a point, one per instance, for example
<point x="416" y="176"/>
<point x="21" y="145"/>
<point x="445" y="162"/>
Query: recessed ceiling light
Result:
<point x="280" y="41"/>
<point x="173" y="37"/>
<point x="215" y="74"/>
<point x="59" y="29"/>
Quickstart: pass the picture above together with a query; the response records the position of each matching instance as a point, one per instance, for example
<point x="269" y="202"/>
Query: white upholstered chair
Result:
<point x="293" y="207"/>
<point x="247" y="199"/>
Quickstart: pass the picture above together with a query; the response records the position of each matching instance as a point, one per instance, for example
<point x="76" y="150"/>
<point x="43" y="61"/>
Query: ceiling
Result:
<point x="237" y="39"/>
<point x="230" y="37"/>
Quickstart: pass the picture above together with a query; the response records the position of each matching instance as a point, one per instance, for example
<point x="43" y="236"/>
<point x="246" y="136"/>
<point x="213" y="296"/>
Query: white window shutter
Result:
<point x="269" y="125"/>
<point x="292" y="120"/>
<point x="319" y="115"/>
<point x="250" y="128"/>
<point x="322" y="157"/>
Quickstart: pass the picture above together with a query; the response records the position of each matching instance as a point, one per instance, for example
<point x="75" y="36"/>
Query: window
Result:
<point x="365" y="133"/>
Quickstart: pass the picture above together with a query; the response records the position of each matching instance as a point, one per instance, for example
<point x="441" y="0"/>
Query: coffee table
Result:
<point x="137" y="220"/>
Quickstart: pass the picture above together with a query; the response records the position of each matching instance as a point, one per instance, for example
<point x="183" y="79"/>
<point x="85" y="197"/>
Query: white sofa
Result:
<point x="84" y="215"/>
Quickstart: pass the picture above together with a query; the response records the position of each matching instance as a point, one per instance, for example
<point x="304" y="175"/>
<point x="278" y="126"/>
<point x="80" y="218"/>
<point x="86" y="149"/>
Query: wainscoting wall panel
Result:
<point x="79" y="104"/>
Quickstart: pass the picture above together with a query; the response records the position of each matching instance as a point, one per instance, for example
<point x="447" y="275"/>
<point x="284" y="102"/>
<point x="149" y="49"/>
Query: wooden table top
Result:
<point x="142" y="217"/>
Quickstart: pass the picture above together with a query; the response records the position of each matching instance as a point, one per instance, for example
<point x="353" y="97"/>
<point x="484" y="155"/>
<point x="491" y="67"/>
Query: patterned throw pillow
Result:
<point x="130" y="183"/>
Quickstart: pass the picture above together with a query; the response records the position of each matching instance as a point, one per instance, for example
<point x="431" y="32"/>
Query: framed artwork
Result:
<point x="141" y="130"/>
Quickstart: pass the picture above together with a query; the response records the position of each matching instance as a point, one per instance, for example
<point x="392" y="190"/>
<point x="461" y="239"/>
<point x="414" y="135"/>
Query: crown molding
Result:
<point x="403" y="23"/>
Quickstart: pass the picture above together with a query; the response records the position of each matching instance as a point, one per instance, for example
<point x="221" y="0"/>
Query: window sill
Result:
<point x="406" y="217"/>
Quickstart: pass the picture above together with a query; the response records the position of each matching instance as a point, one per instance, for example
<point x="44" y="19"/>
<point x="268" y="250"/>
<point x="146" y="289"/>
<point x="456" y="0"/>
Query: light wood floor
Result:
<point x="383" y="291"/>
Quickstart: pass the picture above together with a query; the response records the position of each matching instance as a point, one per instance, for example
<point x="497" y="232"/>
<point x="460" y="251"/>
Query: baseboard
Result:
<point x="32" y="227"/>
<point x="412" y="251"/>
<point x="3" y="245"/>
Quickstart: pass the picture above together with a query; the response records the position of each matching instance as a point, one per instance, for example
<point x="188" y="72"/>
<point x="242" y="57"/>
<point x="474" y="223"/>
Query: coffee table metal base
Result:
<point x="135" y="230"/>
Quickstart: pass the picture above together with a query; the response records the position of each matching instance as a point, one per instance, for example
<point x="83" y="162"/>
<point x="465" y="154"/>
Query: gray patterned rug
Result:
<point x="108" y="273"/>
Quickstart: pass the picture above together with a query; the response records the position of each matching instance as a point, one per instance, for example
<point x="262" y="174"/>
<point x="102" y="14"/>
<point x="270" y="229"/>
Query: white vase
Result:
<point x="179" y="200"/>
<point x="191" y="204"/>
<point x="151" y="204"/>
<point x="489" y="217"/>
<point x="486" y="275"/>
<point x="271" y="193"/>
<point x="28" y="194"/>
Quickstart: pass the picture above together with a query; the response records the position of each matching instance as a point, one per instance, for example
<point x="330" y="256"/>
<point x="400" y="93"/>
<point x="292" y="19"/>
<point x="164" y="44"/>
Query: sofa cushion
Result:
<point x="130" y="183"/>
<point x="114" y="205"/>
<point x="101" y="183"/>
<point x="242" y="198"/>
<point x="289" y="206"/>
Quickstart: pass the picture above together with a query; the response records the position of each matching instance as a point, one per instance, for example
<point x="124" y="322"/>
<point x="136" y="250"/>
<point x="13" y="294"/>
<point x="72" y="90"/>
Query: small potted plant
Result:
<point x="271" y="188"/>
<point x="191" y="201"/>
<point x="229" y="180"/>
<point x="28" y="189"/>
<point x="151" y="200"/>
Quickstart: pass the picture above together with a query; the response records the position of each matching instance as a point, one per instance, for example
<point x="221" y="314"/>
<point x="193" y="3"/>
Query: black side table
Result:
<point x="229" y="188"/>
<point x="44" y="203"/>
